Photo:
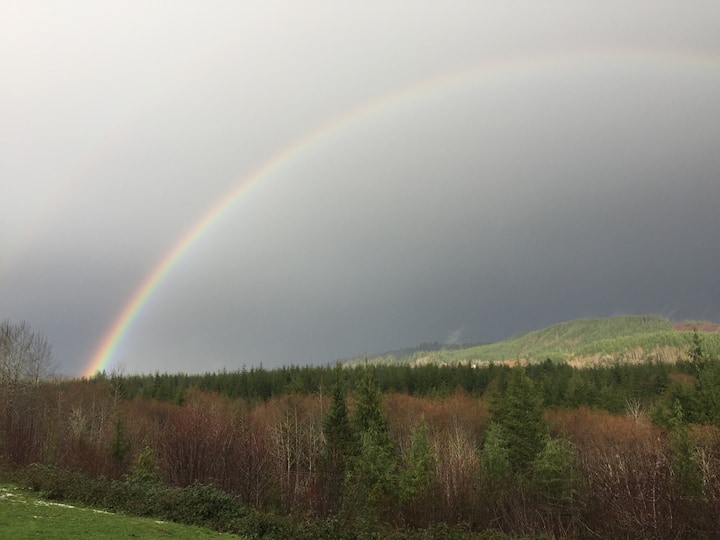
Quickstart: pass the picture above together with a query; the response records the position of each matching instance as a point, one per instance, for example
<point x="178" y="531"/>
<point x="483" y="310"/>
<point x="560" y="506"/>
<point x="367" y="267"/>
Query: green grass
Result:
<point x="23" y="515"/>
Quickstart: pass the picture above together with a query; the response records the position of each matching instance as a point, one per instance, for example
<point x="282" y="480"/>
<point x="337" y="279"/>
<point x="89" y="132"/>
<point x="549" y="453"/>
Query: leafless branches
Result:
<point x="25" y="356"/>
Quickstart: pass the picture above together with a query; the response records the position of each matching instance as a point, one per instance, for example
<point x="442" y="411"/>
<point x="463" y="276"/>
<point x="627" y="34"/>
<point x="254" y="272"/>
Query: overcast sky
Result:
<point x="431" y="171"/>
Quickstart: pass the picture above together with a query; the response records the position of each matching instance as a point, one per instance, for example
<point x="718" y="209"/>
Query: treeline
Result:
<point x="622" y="451"/>
<point x="606" y="387"/>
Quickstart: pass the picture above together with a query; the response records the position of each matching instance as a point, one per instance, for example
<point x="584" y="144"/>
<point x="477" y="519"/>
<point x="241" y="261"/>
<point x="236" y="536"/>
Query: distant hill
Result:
<point x="583" y="342"/>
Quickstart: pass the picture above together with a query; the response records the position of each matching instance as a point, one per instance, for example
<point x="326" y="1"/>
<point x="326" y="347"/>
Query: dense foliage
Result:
<point x="559" y="384"/>
<point x="615" y="450"/>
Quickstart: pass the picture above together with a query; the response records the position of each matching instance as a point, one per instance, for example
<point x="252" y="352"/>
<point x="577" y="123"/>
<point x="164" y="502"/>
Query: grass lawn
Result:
<point x="23" y="515"/>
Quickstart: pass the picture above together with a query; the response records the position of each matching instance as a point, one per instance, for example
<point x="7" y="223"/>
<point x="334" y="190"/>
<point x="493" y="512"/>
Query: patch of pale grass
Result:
<point x="48" y="503"/>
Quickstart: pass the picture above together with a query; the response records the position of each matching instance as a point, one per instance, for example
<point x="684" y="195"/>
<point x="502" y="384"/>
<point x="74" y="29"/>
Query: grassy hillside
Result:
<point x="23" y="515"/>
<point x="630" y="338"/>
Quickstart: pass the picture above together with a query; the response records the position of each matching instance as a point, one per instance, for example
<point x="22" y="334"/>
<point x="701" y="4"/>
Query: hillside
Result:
<point x="581" y="342"/>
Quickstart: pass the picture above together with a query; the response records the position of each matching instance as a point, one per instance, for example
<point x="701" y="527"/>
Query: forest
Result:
<point x="390" y="450"/>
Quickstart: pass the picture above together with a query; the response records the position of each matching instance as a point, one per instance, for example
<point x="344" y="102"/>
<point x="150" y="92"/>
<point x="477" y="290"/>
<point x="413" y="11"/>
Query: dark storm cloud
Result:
<point x="557" y="184"/>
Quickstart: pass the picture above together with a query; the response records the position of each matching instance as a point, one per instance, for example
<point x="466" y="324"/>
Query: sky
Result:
<point x="195" y="186"/>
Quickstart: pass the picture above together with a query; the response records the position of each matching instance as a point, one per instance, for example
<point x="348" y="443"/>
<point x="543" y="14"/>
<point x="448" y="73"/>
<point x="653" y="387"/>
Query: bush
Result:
<point x="208" y="506"/>
<point x="57" y="484"/>
<point x="201" y="505"/>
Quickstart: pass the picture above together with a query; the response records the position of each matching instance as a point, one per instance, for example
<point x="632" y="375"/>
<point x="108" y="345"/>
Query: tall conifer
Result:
<point x="340" y="443"/>
<point x="519" y="416"/>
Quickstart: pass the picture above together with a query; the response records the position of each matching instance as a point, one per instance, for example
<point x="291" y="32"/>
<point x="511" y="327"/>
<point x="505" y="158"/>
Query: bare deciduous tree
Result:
<point x="117" y="376"/>
<point x="25" y="356"/>
<point x="634" y="408"/>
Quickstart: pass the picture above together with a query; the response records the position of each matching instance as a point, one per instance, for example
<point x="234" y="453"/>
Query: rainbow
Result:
<point x="104" y="352"/>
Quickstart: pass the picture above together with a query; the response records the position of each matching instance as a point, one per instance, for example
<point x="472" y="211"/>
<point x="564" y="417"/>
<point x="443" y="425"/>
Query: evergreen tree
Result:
<point x="578" y="391"/>
<point x="495" y="465"/>
<point x="340" y="439"/>
<point x="120" y="445"/>
<point x="518" y="415"/>
<point x="707" y="398"/>
<point x="555" y="475"/>
<point x="419" y="465"/>
<point x="687" y="476"/>
<point x="340" y="443"/>
<point x="371" y="485"/>
<point x="145" y="468"/>
<point x="698" y="357"/>
<point x="368" y="415"/>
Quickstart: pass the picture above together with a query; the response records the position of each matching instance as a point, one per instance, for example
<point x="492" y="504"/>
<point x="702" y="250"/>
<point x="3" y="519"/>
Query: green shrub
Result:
<point x="207" y="505"/>
<point x="201" y="505"/>
<point x="145" y="468"/>
<point x="267" y="526"/>
<point x="53" y="482"/>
